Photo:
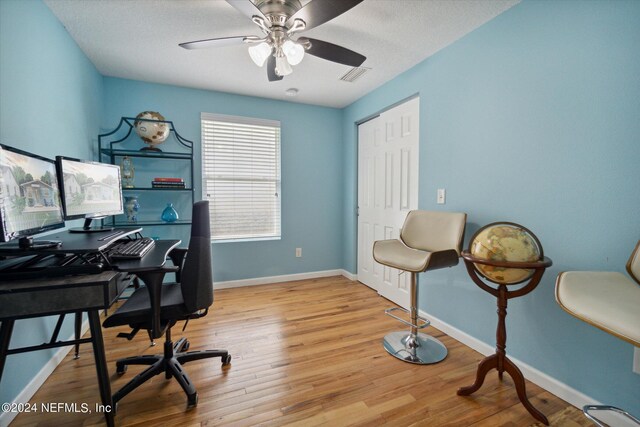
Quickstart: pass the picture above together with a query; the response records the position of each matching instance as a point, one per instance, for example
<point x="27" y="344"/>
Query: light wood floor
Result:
<point x="304" y="353"/>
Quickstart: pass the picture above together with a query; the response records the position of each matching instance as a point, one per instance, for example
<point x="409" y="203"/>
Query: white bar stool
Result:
<point x="606" y="300"/>
<point x="428" y="241"/>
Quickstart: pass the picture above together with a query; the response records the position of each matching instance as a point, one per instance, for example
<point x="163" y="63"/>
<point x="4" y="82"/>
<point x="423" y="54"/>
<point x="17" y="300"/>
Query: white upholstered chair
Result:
<point x="609" y="301"/>
<point x="428" y="241"/>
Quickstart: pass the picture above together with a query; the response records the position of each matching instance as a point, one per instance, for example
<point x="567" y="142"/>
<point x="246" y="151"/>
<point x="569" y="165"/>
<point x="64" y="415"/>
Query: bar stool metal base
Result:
<point x="421" y="349"/>
<point x="599" y="422"/>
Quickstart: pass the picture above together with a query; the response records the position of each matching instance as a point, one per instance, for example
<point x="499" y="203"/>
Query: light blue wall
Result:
<point x="311" y="174"/>
<point x="50" y="104"/>
<point x="532" y="118"/>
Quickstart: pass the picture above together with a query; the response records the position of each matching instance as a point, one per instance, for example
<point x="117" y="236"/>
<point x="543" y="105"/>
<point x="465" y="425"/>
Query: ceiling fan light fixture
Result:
<point x="279" y="20"/>
<point x="259" y="53"/>
<point x="282" y="66"/>
<point x="293" y="51"/>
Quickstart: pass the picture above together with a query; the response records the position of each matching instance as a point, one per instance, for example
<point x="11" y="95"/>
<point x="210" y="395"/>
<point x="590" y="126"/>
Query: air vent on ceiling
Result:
<point x="353" y="74"/>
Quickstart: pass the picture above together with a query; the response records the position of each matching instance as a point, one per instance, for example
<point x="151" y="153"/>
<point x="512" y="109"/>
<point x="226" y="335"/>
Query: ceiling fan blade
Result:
<point x="332" y="52"/>
<point x="318" y="12"/>
<point x="247" y="8"/>
<point x="219" y="42"/>
<point x="271" y="69"/>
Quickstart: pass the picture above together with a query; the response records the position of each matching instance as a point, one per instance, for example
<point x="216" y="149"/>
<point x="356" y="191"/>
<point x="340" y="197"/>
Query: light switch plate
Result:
<point x="441" y="196"/>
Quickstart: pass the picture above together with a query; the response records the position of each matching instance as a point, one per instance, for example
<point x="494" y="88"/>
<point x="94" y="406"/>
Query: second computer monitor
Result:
<point x="90" y="190"/>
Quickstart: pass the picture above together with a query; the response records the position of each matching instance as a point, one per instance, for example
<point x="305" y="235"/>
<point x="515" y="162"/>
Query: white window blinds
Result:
<point x="241" y="176"/>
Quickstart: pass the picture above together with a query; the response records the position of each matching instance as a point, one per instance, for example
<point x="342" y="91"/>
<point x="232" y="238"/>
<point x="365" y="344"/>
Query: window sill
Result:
<point x="246" y="239"/>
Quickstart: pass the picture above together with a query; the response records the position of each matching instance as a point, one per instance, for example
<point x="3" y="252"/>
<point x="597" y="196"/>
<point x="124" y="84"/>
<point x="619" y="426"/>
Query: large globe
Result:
<point x="152" y="133"/>
<point x="505" y="241"/>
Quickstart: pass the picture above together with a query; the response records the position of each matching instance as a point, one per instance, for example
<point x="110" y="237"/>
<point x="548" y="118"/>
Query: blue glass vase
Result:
<point x="169" y="214"/>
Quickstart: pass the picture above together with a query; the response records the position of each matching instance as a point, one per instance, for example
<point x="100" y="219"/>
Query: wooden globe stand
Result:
<point x="499" y="360"/>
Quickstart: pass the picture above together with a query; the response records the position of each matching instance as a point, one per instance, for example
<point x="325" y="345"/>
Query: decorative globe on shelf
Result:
<point x="509" y="242"/>
<point x="152" y="133"/>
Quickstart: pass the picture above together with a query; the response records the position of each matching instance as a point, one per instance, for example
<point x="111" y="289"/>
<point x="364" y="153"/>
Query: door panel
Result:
<point x="387" y="191"/>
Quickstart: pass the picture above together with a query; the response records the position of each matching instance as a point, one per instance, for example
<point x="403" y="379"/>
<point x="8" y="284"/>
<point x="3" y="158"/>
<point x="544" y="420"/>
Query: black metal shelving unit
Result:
<point x="110" y="146"/>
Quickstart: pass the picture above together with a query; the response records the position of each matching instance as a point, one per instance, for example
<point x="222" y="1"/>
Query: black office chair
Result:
<point x="187" y="299"/>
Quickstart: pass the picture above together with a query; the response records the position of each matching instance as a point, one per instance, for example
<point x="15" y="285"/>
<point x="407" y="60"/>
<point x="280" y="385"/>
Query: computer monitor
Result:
<point x="90" y="190"/>
<point x="29" y="198"/>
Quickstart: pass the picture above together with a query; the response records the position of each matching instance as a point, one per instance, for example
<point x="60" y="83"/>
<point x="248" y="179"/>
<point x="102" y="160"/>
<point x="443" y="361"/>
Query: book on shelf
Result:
<point x="167" y="179"/>
<point x="167" y="182"/>
<point x="167" y="185"/>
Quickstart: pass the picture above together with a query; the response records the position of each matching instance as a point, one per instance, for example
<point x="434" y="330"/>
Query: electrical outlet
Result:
<point x="441" y="196"/>
<point x="298" y="252"/>
<point x="636" y="360"/>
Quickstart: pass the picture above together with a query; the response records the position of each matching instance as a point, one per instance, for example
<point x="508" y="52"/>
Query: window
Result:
<point x="241" y="176"/>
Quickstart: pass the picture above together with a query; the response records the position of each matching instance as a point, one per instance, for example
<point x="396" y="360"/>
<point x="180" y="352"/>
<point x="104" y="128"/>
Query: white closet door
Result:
<point x="387" y="191"/>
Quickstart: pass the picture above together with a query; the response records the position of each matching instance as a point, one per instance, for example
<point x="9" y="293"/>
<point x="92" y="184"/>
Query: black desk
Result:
<point x="73" y="242"/>
<point x="72" y="294"/>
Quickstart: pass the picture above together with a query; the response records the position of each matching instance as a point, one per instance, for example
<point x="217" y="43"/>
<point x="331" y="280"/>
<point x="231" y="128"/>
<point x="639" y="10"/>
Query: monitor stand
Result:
<point x="87" y="228"/>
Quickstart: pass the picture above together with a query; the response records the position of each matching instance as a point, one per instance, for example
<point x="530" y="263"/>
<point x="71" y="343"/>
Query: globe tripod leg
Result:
<point x="487" y="364"/>
<point x="518" y="380"/>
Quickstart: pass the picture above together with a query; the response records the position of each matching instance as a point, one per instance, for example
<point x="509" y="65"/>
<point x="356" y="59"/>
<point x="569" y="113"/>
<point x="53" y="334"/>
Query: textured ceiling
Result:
<point x="138" y="39"/>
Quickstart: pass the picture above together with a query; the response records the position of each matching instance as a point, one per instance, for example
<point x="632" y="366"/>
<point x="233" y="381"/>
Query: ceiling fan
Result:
<point x="279" y="20"/>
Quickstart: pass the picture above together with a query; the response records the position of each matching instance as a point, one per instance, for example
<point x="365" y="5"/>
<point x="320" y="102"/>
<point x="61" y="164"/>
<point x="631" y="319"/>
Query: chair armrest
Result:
<point x="152" y="280"/>
<point x="177" y="256"/>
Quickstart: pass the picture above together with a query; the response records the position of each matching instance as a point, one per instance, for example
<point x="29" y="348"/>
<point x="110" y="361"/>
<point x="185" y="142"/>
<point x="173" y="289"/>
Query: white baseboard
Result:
<point x="36" y="382"/>
<point x="277" y="279"/>
<point x="348" y="275"/>
<point x="552" y="385"/>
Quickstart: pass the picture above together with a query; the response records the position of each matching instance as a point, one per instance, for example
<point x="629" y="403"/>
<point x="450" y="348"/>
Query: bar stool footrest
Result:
<point x="389" y="312"/>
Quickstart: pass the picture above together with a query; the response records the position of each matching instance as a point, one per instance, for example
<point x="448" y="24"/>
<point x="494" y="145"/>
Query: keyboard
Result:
<point x="133" y="249"/>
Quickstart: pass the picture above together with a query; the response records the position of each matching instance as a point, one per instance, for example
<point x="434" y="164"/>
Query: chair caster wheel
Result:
<point x="121" y="368"/>
<point x="192" y="401"/>
<point x="182" y="345"/>
<point x="226" y="360"/>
